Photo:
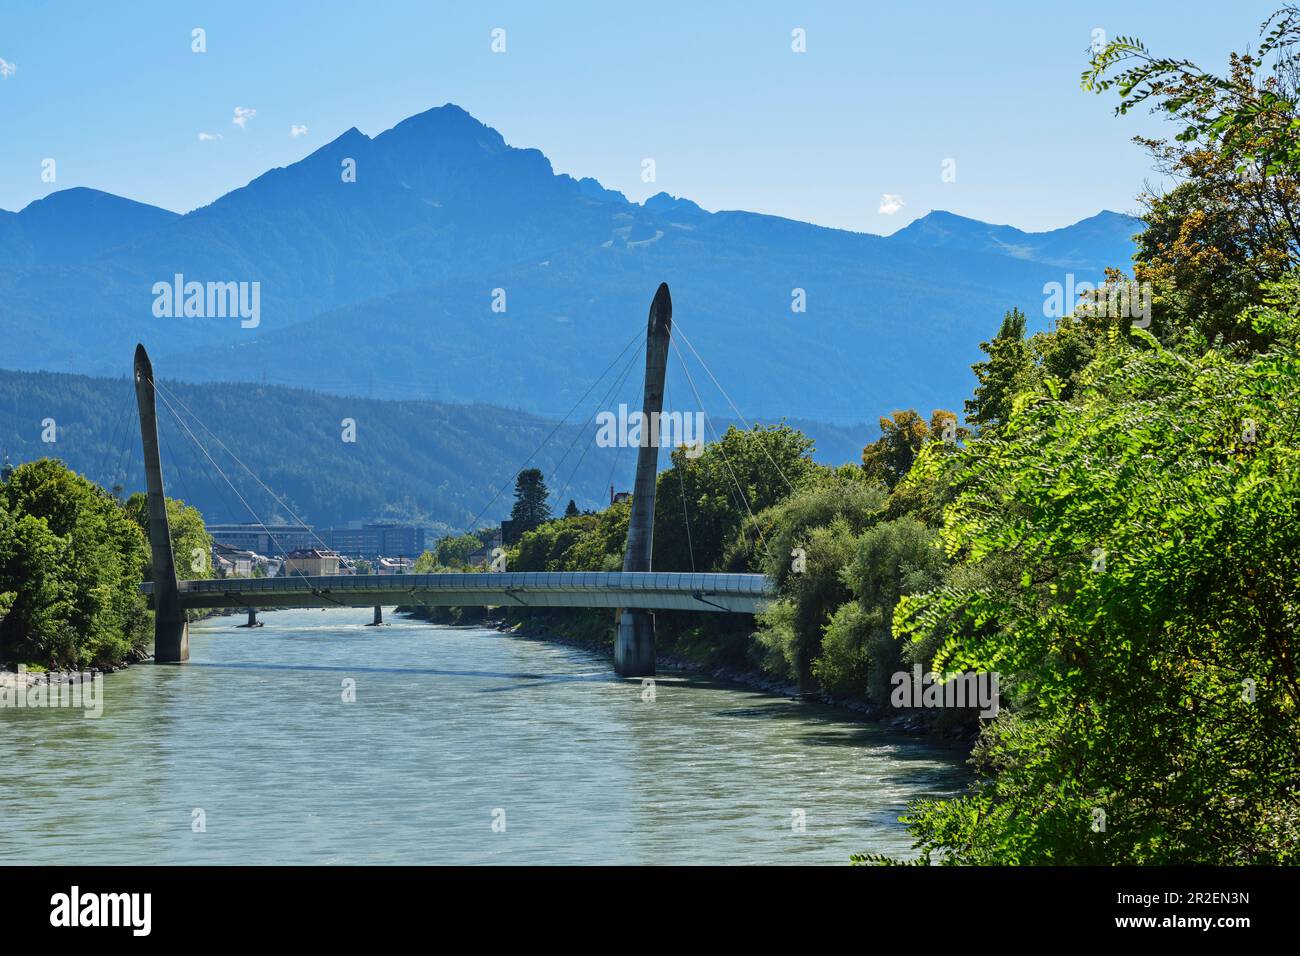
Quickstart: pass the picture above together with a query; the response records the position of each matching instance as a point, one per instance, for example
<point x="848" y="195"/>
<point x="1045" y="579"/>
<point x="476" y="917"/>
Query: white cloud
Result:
<point x="7" y="69"/>
<point x="205" y="137"/>
<point x="890" y="204"/>
<point x="297" y="130"/>
<point x="242" y="115"/>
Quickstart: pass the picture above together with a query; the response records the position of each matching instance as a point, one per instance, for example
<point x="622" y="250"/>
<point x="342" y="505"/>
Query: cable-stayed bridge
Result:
<point x="637" y="591"/>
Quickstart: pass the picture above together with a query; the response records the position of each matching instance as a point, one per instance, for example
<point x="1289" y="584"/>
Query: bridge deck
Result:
<point x="651" y="590"/>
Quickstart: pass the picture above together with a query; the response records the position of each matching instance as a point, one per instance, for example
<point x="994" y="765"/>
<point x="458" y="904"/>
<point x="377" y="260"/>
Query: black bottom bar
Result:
<point x="925" y="905"/>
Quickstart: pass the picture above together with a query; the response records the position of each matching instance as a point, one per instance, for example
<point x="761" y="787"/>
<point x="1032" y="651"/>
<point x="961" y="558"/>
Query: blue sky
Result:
<point x="712" y="92"/>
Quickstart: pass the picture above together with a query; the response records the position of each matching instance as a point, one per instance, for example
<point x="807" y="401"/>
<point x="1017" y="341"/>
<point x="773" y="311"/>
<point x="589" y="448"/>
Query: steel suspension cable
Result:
<point x="258" y="520"/>
<point x="681" y="479"/>
<point x="278" y="500"/>
<point x="709" y="372"/>
<point x="632" y="341"/>
<point x="605" y="401"/>
<point x="743" y="500"/>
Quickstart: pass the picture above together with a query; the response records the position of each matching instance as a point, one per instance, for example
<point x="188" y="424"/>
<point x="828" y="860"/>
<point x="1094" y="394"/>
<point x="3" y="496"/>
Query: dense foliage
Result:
<point x="71" y="562"/>
<point x="72" y="558"/>
<point x="191" y="543"/>
<point x="1124" y="534"/>
<point x="1151" y="631"/>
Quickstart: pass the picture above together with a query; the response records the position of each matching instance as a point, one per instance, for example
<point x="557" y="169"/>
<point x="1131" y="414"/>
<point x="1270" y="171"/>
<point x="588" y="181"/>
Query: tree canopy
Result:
<point x="71" y="562"/>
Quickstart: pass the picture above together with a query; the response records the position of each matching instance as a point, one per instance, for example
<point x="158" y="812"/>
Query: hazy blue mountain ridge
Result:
<point x="387" y="283"/>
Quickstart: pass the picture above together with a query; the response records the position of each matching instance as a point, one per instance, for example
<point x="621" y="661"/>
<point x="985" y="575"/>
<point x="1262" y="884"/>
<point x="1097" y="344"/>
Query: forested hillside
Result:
<point x="431" y="463"/>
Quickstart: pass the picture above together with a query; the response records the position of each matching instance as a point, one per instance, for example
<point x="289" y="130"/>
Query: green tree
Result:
<point x="1232" y="224"/>
<point x="427" y="563"/>
<point x="1001" y="375"/>
<point x="790" y="630"/>
<point x="811" y="536"/>
<point x="191" y="543"/>
<point x="902" y="436"/>
<point x="454" y="552"/>
<point x="553" y="546"/>
<point x="707" y="507"/>
<point x="530" y="508"/>
<point x="71" y="562"/>
<point x="859" y="652"/>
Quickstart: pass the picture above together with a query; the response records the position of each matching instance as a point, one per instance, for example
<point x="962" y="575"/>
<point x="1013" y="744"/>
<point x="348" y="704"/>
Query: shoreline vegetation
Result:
<point x="72" y="558"/>
<point x="1111" y="539"/>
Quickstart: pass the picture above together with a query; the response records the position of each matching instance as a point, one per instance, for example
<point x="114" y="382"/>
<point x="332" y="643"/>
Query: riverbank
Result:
<point x="9" y="675"/>
<point x="913" y="722"/>
<point x="11" y="681"/>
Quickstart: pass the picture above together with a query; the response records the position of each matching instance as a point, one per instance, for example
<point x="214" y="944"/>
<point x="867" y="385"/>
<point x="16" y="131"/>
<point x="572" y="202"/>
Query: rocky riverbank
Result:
<point x="21" y="680"/>
<point x="9" y="677"/>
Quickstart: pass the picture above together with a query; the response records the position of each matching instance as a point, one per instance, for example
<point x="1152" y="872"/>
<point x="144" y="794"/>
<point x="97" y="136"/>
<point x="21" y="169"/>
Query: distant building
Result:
<point x="394" y="566"/>
<point x="264" y="539"/>
<point x="311" y="562"/>
<point x="356" y="540"/>
<point x="618" y="497"/>
<point x="483" y="556"/>
<point x="233" y="562"/>
<point x="370" y="541"/>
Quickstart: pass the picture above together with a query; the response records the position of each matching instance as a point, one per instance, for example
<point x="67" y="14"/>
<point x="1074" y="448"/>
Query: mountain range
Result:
<point x="384" y="284"/>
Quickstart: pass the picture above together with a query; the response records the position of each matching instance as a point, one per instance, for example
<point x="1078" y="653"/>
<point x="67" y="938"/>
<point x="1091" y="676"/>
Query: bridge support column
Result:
<point x="379" y="617"/>
<point x="634" y="643"/>
<point x="252" y="619"/>
<point x="171" y="632"/>
<point x="634" y="647"/>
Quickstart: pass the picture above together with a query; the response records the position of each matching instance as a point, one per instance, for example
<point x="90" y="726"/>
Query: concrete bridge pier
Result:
<point x="379" y="617"/>
<point x="252" y="619"/>
<point x="171" y="631"/>
<point x="634" y="644"/>
<point x="634" y="647"/>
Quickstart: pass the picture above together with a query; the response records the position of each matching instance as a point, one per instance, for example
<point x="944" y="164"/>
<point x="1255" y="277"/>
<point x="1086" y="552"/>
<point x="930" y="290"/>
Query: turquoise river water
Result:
<point x="461" y="746"/>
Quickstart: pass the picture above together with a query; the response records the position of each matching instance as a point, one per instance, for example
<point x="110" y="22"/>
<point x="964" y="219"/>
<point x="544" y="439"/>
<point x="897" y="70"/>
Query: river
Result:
<point x="461" y="746"/>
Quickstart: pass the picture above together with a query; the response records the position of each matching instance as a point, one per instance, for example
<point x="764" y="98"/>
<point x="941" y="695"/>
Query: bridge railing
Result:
<point x="756" y="585"/>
